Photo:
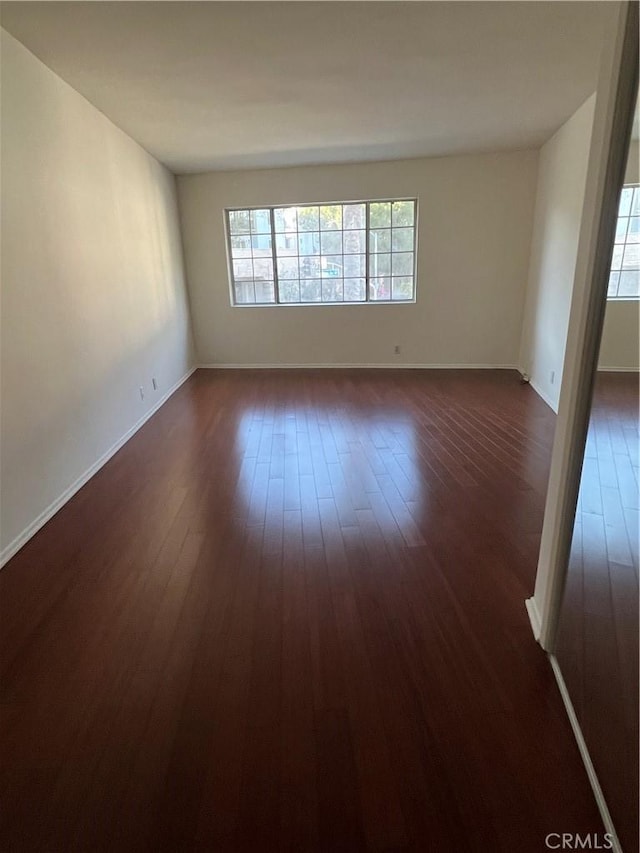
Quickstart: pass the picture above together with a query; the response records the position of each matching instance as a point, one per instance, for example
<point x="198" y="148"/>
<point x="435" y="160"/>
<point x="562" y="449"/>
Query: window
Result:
<point x="341" y="253"/>
<point x="624" y="280"/>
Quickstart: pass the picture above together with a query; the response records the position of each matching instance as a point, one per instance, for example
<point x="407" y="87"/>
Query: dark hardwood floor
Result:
<point x="289" y="616"/>
<point x="598" y="638"/>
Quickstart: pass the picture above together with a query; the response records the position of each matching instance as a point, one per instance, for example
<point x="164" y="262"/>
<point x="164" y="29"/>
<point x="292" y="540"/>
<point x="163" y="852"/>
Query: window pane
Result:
<point x="242" y="268"/>
<point x="633" y="234"/>
<point x="621" y="229"/>
<point x="402" y="264"/>
<point x="631" y="260"/>
<point x="260" y="222"/>
<point x="380" y="265"/>
<point x="239" y="222"/>
<point x="331" y="242"/>
<point x="614" y="278"/>
<point x="629" y="283"/>
<point x="380" y="214"/>
<point x="309" y="243"/>
<point x="310" y="267"/>
<point x="331" y="217"/>
<point x="402" y="288"/>
<point x="310" y="290"/>
<point x="289" y="290"/>
<point x="285" y="219"/>
<point x="245" y="293"/>
<point x="286" y="244"/>
<point x="402" y="213"/>
<point x="354" y="242"/>
<point x="355" y="290"/>
<point x="402" y="240"/>
<point x="265" y="291"/>
<point x="616" y="260"/>
<point x="287" y="268"/>
<point x="332" y="290"/>
<point x="332" y="266"/>
<point x="635" y="207"/>
<point x="308" y="219"/>
<point x="261" y="243"/>
<point x="263" y="268"/>
<point x="379" y="289"/>
<point x="355" y="265"/>
<point x="380" y="240"/>
<point x="626" y="197"/>
<point x="241" y="247"/>
<point x="354" y="216"/>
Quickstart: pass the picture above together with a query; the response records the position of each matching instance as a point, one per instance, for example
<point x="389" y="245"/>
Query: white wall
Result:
<point x="620" y="346"/>
<point x="562" y="176"/>
<point x="475" y="220"/>
<point x="93" y="296"/>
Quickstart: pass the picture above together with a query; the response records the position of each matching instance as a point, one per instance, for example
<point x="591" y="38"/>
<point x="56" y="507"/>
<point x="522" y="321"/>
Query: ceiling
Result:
<point x="227" y="85"/>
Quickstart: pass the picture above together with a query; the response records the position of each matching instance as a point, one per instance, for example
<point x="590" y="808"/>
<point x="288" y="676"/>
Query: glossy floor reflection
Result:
<point x="598" y="640"/>
<point x="289" y="615"/>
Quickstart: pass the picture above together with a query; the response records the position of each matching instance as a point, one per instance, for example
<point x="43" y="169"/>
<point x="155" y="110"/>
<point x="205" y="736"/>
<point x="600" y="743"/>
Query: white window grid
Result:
<point x="389" y="259"/>
<point x="624" y="277"/>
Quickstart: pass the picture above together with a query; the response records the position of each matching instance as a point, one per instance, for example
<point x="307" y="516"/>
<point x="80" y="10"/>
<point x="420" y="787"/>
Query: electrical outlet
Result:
<point x="154" y="383"/>
<point x="141" y="393"/>
<point x="396" y="349"/>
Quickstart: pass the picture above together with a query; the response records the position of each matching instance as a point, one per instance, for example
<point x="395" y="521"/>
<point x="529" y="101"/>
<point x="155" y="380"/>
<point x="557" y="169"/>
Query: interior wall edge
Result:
<point x="553" y="404"/>
<point x="31" y="529"/>
<point x="534" y="617"/>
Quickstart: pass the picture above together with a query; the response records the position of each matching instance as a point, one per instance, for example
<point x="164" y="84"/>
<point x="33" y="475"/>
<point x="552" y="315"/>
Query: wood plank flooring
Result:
<point x="598" y="639"/>
<point x="289" y="616"/>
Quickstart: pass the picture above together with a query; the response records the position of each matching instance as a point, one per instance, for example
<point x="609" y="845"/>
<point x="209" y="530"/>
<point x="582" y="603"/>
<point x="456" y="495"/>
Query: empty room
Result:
<point x="319" y="438"/>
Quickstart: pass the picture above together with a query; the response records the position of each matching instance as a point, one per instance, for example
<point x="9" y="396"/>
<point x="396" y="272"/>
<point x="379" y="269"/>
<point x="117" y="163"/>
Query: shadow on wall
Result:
<point x="53" y="456"/>
<point x="93" y="292"/>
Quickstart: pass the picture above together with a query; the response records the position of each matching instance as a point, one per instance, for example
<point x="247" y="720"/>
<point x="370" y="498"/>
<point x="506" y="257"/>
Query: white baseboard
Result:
<point x="388" y="366"/>
<point x="534" y="617"/>
<point x="13" y="547"/>
<point x="618" y="369"/>
<point x="553" y="405"/>
<point x="586" y="758"/>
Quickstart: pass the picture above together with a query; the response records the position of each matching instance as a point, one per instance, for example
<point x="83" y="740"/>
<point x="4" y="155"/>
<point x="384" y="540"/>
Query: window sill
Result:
<point x="323" y="304"/>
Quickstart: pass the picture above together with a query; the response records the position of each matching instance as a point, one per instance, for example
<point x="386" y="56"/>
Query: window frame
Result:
<point x="616" y="297"/>
<point x="320" y="303"/>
